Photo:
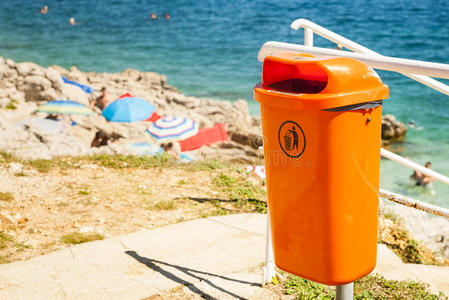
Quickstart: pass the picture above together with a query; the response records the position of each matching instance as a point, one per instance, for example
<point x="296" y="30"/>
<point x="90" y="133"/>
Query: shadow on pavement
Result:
<point x="213" y="200"/>
<point x="154" y="265"/>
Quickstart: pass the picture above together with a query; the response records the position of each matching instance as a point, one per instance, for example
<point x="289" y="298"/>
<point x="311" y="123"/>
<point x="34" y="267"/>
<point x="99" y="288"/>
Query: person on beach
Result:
<point x="173" y="149"/>
<point x="153" y="16"/>
<point x="167" y="16"/>
<point x="102" y="101"/>
<point x="422" y="179"/>
<point x="44" y="9"/>
<point x="100" y="139"/>
<point x="54" y="117"/>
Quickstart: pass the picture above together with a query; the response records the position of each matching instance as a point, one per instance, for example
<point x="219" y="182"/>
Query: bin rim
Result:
<point x="318" y="101"/>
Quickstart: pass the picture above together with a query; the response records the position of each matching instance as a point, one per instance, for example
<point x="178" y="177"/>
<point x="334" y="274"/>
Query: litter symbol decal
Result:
<point x="292" y="139"/>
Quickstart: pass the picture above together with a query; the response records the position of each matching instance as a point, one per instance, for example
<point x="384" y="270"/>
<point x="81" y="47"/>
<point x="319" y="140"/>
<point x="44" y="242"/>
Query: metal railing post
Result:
<point x="269" y="269"/>
<point x="308" y="37"/>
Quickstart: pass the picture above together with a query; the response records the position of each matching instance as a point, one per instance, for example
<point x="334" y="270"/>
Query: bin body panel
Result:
<point x="323" y="201"/>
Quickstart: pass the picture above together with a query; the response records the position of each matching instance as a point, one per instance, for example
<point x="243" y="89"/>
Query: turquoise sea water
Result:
<point x="209" y="49"/>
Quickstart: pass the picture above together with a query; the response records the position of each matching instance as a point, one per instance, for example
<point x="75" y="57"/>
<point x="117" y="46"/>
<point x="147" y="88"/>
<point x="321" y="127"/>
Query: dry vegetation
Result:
<point x="45" y="205"/>
<point x="392" y="233"/>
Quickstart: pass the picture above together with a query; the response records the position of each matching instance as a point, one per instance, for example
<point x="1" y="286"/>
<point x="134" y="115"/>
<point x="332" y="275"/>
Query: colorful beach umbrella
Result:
<point x="173" y="129"/>
<point x="65" y="107"/>
<point x="128" y="109"/>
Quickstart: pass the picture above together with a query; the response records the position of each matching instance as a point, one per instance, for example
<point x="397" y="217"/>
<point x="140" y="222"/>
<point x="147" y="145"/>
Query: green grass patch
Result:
<point x="41" y="165"/>
<point x="6" y="196"/>
<point x="243" y="194"/>
<point x="83" y="192"/>
<point x="5" y="239"/>
<point x="205" y="165"/>
<point x="20" y="174"/>
<point x="12" y="104"/>
<point x="79" y="238"/>
<point x="181" y="182"/>
<point x="21" y="246"/>
<point x="218" y="211"/>
<point x="224" y="180"/>
<point x="388" y="214"/>
<point x="164" y="205"/>
<point x="114" y="162"/>
<point x="3" y="260"/>
<point x="7" y="157"/>
<point x="130" y="161"/>
<point x="371" y="287"/>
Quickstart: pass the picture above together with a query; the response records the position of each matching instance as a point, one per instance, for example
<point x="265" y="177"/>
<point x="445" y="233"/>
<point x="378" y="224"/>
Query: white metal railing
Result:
<point x="387" y="63"/>
<point x="404" y="200"/>
<point x="310" y="28"/>
<point x="415" y="69"/>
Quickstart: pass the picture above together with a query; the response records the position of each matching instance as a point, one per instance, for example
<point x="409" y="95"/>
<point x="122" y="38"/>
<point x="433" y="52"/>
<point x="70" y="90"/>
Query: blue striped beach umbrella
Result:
<point x="173" y="129"/>
<point x="65" y="107"/>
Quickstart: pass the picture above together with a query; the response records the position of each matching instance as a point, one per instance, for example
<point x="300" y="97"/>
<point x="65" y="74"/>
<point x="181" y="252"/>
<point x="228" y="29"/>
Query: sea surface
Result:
<point x="209" y="49"/>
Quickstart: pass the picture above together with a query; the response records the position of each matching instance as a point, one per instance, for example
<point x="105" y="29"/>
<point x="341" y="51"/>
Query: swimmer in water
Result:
<point x="167" y="16"/>
<point x="72" y="21"/>
<point x="153" y="16"/>
<point x="44" y="9"/>
<point x="423" y="179"/>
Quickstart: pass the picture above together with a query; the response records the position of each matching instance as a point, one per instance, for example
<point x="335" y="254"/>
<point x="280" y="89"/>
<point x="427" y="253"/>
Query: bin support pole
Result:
<point x="269" y="269"/>
<point x="345" y="291"/>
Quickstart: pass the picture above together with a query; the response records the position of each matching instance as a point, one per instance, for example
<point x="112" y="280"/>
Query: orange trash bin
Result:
<point x="321" y="123"/>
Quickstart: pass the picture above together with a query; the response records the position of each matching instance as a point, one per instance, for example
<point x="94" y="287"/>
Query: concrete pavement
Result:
<point x="216" y="257"/>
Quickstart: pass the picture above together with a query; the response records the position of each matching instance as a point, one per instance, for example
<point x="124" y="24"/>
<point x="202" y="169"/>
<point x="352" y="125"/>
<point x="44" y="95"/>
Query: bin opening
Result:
<point x="299" y="86"/>
<point x="306" y="78"/>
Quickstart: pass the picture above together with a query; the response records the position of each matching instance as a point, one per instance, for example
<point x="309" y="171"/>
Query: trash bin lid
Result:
<point x="302" y="81"/>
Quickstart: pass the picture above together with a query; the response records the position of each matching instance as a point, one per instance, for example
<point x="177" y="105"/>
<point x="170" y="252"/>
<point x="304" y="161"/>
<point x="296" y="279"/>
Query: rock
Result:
<point x="6" y="218"/>
<point x="37" y="88"/>
<point x="12" y="218"/>
<point x="74" y="93"/>
<point x="55" y="79"/>
<point x="8" y="73"/>
<point x="28" y="68"/>
<point x="10" y="63"/>
<point x="392" y="129"/>
<point x="76" y="75"/>
<point x="15" y="168"/>
<point x="86" y="229"/>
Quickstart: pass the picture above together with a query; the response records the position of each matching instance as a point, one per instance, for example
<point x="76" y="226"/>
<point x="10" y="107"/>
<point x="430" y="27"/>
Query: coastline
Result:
<point x="26" y="85"/>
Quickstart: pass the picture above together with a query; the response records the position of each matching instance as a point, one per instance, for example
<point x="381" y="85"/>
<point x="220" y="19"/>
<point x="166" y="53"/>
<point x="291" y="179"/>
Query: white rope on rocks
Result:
<point x="404" y="200"/>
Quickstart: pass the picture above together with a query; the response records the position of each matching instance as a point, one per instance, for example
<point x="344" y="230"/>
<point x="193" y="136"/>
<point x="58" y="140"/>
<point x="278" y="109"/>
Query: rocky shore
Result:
<point x="25" y="86"/>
